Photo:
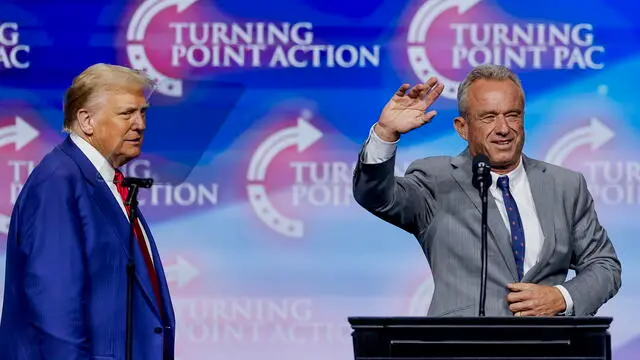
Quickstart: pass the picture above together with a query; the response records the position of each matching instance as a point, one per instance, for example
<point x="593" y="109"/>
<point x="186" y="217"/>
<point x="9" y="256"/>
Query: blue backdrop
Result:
<point x="257" y="121"/>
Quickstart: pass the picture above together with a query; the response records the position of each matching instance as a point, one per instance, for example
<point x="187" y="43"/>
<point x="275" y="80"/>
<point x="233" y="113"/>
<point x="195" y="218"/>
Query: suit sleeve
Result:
<point x="52" y="242"/>
<point x="407" y="202"/>
<point x="598" y="270"/>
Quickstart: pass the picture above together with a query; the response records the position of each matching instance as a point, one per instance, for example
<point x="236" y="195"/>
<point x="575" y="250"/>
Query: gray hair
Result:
<point x="488" y="72"/>
<point x="97" y="78"/>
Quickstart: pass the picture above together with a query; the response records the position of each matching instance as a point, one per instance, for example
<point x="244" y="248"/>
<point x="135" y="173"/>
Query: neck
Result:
<point x="108" y="156"/>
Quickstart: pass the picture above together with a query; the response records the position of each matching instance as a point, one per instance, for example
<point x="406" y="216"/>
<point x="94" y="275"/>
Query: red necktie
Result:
<point x="124" y="191"/>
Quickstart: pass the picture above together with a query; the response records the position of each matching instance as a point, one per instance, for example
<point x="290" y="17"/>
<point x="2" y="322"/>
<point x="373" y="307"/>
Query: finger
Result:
<point x="519" y="296"/>
<point x="525" y="313"/>
<point x="426" y="118"/>
<point x="521" y="306"/>
<point x="402" y="90"/>
<point x="430" y="83"/>
<point x="520" y="286"/>
<point x="416" y="91"/>
<point x="434" y="93"/>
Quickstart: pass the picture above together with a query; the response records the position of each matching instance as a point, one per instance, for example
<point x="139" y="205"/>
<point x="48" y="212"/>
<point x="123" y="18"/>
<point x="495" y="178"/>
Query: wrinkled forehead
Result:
<point x="495" y="95"/>
<point x="121" y="96"/>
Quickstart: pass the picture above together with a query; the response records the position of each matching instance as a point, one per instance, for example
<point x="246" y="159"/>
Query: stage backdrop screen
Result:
<point x="255" y="127"/>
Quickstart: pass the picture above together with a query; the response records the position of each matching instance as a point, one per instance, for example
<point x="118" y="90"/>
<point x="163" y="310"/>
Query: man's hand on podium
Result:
<point x="527" y="299"/>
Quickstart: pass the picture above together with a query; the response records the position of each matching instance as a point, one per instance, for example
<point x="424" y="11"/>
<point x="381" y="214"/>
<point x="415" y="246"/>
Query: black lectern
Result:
<point x="487" y="338"/>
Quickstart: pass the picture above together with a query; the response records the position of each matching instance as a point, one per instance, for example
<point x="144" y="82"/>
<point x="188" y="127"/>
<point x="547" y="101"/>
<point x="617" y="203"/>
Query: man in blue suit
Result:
<point x="67" y="248"/>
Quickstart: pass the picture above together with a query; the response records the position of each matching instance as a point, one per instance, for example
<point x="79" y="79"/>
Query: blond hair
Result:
<point x="98" y="79"/>
<point x="488" y="72"/>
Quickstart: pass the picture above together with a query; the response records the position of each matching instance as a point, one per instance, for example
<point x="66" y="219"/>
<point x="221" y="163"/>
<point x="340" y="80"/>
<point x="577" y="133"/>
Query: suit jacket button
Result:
<point x="157" y="330"/>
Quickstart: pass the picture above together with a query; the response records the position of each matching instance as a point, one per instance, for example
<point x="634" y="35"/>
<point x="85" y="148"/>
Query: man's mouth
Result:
<point x="502" y="142"/>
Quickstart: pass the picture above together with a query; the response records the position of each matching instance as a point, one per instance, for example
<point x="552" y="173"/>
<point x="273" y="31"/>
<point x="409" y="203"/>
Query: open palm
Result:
<point x="406" y="109"/>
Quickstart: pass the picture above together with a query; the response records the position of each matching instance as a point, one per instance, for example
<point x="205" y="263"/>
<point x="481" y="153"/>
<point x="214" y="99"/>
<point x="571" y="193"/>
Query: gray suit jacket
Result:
<point x="436" y="202"/>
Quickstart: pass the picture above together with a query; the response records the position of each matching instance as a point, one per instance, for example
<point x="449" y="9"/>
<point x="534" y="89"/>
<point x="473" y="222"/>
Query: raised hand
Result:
<point x="406" y="109"/>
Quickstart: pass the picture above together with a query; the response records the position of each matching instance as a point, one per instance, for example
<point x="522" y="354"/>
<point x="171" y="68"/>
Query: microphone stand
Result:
<point x="132" y="204"/>
<point x="483" y="251"/>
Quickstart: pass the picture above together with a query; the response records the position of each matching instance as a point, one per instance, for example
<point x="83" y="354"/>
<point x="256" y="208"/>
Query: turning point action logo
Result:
<point x="470" y="43"/>
<point x="14" y="136"/>
<point x="612" y="180"/>
<point x="302" y="136"/>
<point x="201" y="44"/>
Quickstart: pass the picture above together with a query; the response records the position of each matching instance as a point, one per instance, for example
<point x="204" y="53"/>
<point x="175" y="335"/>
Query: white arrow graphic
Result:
<point x="421" y="298"/>
<point x="595" y="134"/>
<point x="20" y="134"/>
<point x="136" y="52"/>
<point x="182" y="272"/>
<point x="425" y="16"/>
<point x="146" y="12"/>
<point x="4" y="224"/>
<point x="303" y="135"/>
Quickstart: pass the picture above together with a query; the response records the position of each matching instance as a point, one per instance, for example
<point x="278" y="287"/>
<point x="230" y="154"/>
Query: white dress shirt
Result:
<point x="377" y="150"/>
<point x="107" y="172"/>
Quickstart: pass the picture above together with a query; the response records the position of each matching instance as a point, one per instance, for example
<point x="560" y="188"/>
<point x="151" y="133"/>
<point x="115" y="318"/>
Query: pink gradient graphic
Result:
<point x="299" y="182"/>
<point x="597" y="142"/>
<point x="159" y="36"/>
<point x="23" y="126"/>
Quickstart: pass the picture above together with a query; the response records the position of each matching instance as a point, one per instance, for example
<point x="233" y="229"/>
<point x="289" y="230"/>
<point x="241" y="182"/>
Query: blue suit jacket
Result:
<point x="66" y="280"/>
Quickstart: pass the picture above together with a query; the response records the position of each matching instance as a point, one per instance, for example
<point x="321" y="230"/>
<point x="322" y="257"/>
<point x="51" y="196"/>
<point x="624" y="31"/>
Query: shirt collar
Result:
<point x="98" y="160"/>
<point x="515" y="176"/>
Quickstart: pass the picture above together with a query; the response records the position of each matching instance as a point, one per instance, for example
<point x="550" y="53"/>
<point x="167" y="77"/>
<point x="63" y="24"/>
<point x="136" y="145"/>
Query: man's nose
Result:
<point x="139" y="122"/>
<point x="501" y="125"/>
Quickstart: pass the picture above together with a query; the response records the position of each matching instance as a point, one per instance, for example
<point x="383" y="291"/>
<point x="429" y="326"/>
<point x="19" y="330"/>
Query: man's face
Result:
<point x="494" y="124"/>
<point x="119" y="124"/>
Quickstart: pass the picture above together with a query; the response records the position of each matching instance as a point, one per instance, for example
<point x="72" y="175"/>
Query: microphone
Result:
<point x="481" y="172"/>
<point x="482" y="181"/>
<point x="134" y="184"/>
<point x="138" y="182"/>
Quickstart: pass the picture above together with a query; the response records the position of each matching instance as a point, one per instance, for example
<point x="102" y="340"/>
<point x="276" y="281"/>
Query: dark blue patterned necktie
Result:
<point x="515" y="223"/>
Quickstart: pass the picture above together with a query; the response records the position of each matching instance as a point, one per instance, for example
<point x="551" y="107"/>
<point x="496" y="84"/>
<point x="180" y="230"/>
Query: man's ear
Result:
<point x="86" y="122"/>
<point x="462" y="127"/>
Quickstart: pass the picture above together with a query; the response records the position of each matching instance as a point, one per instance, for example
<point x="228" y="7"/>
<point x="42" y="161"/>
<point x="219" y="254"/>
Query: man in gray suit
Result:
<point x="541" y="217"/>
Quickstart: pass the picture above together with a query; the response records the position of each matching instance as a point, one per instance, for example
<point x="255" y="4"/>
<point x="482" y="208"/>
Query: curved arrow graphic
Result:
<point x="182" y="272"/>
<point x="425" y="16"/>
<point x="303" y="135"/>
<point x="147" y="11"/>
<point x="269" y="215"/>
<point x="20" y="134"/>
<point x="4" y="224"/>
<point x="136" y="52"/>
<point x="139" y="60"/>
<point x="421" y="298"/>
<point x="595" y="134"/>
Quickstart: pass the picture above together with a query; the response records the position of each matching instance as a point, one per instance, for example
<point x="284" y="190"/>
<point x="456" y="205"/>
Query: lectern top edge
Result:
<point x="421" y="321"/>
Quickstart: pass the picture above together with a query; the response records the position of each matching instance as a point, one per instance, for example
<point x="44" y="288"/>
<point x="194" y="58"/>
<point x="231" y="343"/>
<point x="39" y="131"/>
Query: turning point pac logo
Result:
<point x="446" y="38"/>
<point x="13" y="54"/>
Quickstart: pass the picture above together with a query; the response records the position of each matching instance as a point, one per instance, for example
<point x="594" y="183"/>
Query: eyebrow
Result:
<point x="132" y="108"/>
<point x="491" y="112"/>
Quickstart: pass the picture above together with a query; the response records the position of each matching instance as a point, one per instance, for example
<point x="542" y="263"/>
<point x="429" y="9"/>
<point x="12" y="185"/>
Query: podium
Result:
<point x="486" y="338"/>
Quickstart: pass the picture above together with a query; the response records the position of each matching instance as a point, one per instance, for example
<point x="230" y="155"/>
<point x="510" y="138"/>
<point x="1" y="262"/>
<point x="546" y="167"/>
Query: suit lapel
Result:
<point x="496" y="228"/>
<point x="542" y="187"/>
<point x="109" y="206"/>
<point x="157" y="261"/>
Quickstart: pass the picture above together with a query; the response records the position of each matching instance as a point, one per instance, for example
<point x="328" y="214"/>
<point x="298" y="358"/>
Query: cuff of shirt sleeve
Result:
<point x="567" y="299"/>
<point x="377" y="150"/>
